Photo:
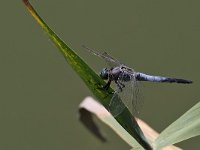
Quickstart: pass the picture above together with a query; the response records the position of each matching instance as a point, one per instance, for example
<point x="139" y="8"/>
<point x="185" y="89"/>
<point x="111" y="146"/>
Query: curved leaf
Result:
<point x="89" y="107"/>
<point x="89" y="104"/>
<point x="187" y="126"/>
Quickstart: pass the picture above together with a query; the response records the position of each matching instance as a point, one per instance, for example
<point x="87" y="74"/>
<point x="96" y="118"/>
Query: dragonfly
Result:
<point x="127" y="80"/>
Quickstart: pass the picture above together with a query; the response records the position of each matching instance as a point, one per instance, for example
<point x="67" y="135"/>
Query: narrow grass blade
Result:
<point x="91" y="79"/>
<point x="187" y="126"/>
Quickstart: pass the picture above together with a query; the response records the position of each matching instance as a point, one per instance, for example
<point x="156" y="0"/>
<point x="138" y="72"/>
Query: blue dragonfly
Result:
<point x="126" y="93"/>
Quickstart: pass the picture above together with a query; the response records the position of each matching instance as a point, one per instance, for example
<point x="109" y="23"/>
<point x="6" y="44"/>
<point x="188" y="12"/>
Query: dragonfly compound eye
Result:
<point x="104" y="74"/>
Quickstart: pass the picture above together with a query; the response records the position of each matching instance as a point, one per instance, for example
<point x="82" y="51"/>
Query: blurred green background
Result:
<point x="40" y="93"/>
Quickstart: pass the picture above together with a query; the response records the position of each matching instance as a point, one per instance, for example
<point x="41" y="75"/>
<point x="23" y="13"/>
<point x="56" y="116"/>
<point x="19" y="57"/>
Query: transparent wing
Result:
<point x="131" y="96"/>
<point x="116" y="105"/>
<point x="109" y="59"/>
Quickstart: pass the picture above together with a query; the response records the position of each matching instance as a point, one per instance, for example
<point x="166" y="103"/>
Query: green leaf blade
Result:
<point x="91" y="79"/>
<point x="187" y="126"/>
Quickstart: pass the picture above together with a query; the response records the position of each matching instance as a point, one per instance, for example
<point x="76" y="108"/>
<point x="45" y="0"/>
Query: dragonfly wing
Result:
<point x="130" y="95"/>
<point x="116" y="105"/>
<point x="109" y="59"/>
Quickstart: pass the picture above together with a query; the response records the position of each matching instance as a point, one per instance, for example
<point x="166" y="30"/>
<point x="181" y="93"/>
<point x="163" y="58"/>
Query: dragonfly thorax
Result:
<point x="122" y="73"/>
<point x="117" y="73"/>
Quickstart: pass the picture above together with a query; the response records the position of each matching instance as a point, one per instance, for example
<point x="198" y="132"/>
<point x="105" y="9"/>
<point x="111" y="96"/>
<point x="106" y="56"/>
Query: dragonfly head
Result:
<point x="104" y="73"/>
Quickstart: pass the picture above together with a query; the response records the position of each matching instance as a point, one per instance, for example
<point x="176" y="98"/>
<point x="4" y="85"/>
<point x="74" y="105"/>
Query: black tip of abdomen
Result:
<point x="183" y="81"/>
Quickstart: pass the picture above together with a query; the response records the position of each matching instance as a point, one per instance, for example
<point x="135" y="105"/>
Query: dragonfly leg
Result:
<point x="119" y="85"/>
<point x="122" y="85"/>
<point x="107" y="85"/>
